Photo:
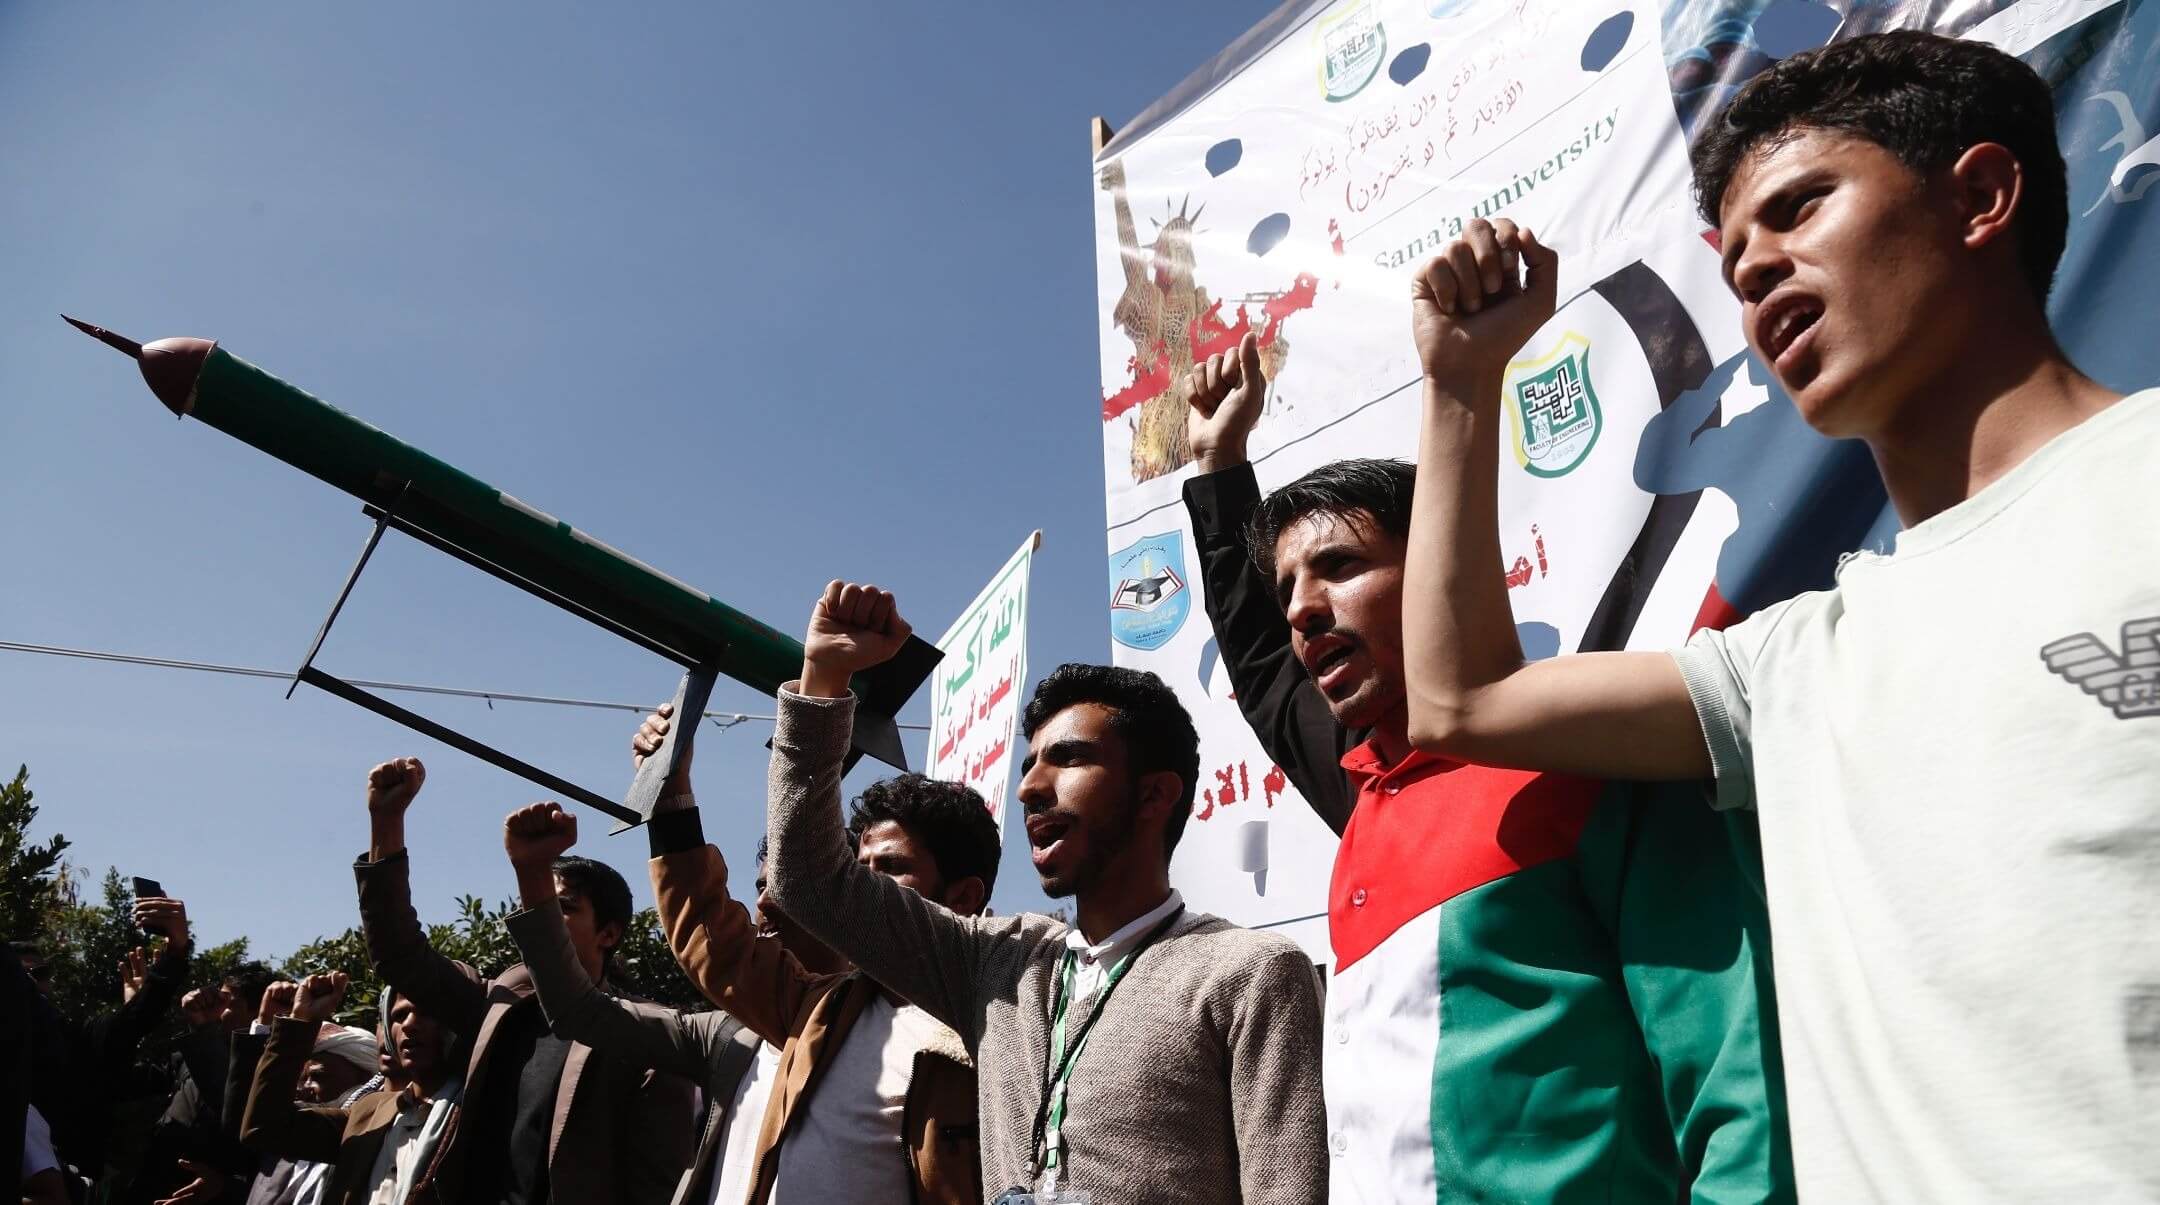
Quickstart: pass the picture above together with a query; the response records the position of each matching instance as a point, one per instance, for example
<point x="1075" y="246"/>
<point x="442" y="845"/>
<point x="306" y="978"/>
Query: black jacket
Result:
<point x="1280" y="703"/>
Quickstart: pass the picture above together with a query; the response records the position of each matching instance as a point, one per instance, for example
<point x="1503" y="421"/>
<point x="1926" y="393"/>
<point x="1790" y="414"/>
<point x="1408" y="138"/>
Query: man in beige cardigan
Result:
<point x="1149" y="1054"/>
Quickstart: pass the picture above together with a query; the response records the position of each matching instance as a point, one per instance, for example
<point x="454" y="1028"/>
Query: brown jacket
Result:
<point x="622" y="1133"/>
<point x="710" y="1048"/>
<point x="347" y="1138"/>
<point x="807" y="1016"/>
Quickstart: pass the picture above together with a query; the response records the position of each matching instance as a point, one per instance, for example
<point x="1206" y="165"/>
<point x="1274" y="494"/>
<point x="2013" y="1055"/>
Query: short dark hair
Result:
<point x="248" y="980"/>
<point x="1353" y="491"/>
<point x="602" y="889"/>
<point x="946" y="816"/>
<point x="1924" y="98"/>
<point x="1144" y="712"/>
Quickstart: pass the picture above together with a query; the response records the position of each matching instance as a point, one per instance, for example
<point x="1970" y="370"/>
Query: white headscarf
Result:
<point x="355" y="1046"/>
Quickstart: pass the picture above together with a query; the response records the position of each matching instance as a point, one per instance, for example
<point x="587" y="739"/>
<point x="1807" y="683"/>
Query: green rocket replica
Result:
<point x="406" y="489"/>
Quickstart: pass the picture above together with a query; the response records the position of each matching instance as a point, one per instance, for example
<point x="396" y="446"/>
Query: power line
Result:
<point x="724" y="719"/>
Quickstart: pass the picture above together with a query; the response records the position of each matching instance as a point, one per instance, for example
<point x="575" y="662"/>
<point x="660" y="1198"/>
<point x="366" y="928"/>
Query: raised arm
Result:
<point x="1471" y="696"/>
<point x="748" y="973"/>
<point x="650" y="1035"/>
<point x="913" y="947"/>
<point x="396" y="944"/>
<point x="276" y="1123"/>
<point x="148" y="996"/>
<point x="1280" y="704"/>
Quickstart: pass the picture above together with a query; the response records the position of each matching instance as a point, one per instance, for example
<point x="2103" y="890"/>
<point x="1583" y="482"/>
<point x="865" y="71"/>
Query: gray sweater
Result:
<point x="1199" y="1084"/>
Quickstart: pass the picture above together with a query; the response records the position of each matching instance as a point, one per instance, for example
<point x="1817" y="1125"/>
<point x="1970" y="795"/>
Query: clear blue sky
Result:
<point x="764" y="294"/>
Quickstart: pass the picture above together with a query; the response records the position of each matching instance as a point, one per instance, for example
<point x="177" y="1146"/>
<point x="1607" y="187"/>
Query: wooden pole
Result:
<point x="1099" y="132"/>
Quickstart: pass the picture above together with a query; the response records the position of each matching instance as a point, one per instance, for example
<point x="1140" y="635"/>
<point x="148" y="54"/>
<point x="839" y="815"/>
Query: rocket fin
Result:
<point x="654" y="772"/>
<point x="881" y="692"/>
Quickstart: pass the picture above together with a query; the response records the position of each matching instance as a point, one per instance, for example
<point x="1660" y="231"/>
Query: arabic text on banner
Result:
<point x="976" y="691"/>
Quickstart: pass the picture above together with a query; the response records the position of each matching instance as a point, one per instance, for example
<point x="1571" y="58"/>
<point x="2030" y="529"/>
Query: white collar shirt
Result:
<point x="1092" y="962"/>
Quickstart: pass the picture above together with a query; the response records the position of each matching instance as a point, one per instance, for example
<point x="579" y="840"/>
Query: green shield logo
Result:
<point x="1352" y="46"/>
<point x="1553" y="408"/>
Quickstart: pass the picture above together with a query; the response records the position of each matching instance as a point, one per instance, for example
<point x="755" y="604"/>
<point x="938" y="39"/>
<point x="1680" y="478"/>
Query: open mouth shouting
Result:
<point x="1046" y="836"/>
<point x="1327" y="659"/>
<point x="1784" y="328"/>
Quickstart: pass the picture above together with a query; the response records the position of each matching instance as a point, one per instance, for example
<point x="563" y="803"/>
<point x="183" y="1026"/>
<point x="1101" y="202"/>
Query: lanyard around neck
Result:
<point x="1059" y="1060"/>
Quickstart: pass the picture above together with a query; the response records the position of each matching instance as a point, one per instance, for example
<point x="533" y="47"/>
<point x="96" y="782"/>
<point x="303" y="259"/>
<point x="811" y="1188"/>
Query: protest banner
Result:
<point x="1654" y="479"/>
<point x="975" y="694"/>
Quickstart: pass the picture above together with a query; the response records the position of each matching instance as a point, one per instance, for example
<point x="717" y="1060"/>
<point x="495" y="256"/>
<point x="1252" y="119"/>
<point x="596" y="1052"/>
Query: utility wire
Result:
<point x="723" y="719"/>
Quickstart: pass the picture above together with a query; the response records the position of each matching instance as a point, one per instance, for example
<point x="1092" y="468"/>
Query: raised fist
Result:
<point x="538" y="834"/>
<point x="1224" y="405"/>
<point x="852" y="628"/>
<point x="1474" y="305"/>
<point x="392" y="785"/>
<point x="200" y="1007"/>
<point x="277" y="1001"/>
<point x="319" y="997"/>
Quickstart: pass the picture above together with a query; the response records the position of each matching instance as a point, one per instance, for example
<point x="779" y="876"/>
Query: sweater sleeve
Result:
<point x="1278" y="700"/>
<point x="941" y="962"/>
<point x="1276" y="1107"/>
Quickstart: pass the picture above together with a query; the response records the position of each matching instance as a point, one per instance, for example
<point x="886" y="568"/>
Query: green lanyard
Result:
<point x="1049" y="1139"/>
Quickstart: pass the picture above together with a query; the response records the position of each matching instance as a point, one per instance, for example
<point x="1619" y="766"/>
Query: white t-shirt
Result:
<point x="846" y="1146"/>
<point x="1956" y="758"/>
<point x="736" y="1160"/>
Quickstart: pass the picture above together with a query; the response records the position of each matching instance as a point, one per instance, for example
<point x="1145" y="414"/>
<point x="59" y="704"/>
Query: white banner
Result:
<point x="1293" y="196"/>
<point x="977" y="690"/>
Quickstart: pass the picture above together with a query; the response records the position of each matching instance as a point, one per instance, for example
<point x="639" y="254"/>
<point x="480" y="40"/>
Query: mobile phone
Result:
<point x="144" y="889"/>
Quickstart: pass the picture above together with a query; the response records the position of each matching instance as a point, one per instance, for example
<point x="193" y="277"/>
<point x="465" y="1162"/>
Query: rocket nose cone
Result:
<point x="171" y="366"/>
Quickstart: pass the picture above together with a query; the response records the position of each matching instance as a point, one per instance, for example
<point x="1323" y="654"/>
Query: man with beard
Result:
<point x="382" y="1149"/>
<point x="1952" y="750"/>
<point x="1600" y="955"/>
<point x="1148" y="1054"/>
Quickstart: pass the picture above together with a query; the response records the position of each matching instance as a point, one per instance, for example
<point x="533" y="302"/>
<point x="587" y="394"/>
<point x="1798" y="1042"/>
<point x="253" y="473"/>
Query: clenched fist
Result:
<point x="1474" y="305"/>
<point x="392" y="785"/>
<point x="277" y="1001"/>
<point x="537" y="834"/>
<point x="1224" y="405"/>
<point x="319" y="997"/>
<point x="852" y="628"/>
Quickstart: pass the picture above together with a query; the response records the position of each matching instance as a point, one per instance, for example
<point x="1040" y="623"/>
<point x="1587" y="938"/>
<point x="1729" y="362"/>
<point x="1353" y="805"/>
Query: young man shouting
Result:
<point x="1953" y="750"/>
<point x="1546" y="988"/>
<point x="1149" y="1055"/>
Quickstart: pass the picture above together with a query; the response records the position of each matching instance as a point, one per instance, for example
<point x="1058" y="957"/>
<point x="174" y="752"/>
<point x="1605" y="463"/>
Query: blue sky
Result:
<point x="763" y="294"/>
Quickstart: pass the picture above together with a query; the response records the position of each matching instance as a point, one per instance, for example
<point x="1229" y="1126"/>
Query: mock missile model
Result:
<point x="406" y="489"/>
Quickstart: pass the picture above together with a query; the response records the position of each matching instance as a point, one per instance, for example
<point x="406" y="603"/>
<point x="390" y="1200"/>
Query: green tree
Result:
<point x="31" y="879"/>
<point x="85" y="944"/>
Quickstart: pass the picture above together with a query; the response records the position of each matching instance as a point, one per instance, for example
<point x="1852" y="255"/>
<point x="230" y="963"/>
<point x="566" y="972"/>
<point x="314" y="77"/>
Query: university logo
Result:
<point x="1148" y="597"/>
<point x="2127" y="684"/>
<point x="1553" y="409"/>
<point x="1352" y="47"/>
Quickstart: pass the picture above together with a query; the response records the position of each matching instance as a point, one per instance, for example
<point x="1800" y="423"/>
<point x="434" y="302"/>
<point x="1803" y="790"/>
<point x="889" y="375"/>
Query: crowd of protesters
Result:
<point x="1553" y="972"/>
